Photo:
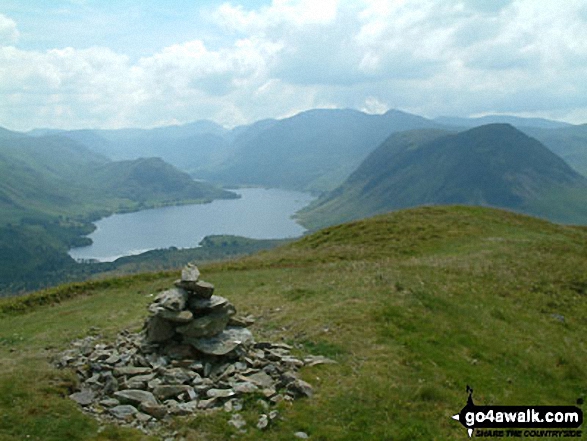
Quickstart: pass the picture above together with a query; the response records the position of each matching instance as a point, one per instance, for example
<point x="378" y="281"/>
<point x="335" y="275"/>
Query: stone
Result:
<point x="109" y="402"/>
<point x="245" y="388"/>
<point x="224" y="342"/>
<point x="131" y="371"/>
<point x="135" y="396"/>
<point x="176" y="316"/>
<point x="301" y="435"/>
<point x="200" y="289"/>
<point x="207" y="404"/>
<point x="260" y="379"/>
<point x="155" y="410"/>
<point x="190" y="273"/>
<point x="243" y="322"/>
<point x="214" y="303"/>
<point x="84" y="398"/>
<point x="263" y="422"/>
<point x="159" y="330"/>
<point x="178" y="376"/>
<point x="165" y="392"/>
<point x="301" y="388"/>
<point x="173" y="299"/>
<point x="220" y="393"/>
<point x="124" y="411"/>
<point x="206" y="326"/>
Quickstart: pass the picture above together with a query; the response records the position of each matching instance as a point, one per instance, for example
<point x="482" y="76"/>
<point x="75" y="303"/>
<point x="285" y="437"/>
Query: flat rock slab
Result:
<point x="199" y="289"/>
<point x="171" y="391"/>
<point x="176" y="316"/>
<point x="135" y="396"/>
<point x="124" y="411"/>
<point x="224" y="342"/>
<point x="131" y="371"/>
<point x="84" y="397"/>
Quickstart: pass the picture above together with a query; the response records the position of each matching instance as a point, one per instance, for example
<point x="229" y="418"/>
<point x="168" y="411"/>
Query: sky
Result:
<point x="74" y="64"/>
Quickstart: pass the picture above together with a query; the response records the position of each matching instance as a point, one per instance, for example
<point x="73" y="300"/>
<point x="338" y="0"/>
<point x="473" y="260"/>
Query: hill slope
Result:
<point x="414" y="306"/>
<point x="493" y="165"/>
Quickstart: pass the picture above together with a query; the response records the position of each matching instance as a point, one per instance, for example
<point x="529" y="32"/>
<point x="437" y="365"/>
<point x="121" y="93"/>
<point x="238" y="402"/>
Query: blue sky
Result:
<point x="109" y="64"/>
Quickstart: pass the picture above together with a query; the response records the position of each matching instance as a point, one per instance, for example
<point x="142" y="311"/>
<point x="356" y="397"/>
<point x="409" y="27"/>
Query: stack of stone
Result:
<point x="190" y="315"/>
<point x="193" y="355"/>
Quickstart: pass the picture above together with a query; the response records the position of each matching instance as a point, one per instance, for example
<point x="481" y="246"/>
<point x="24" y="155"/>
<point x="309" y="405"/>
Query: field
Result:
<point x="414" y="306"/>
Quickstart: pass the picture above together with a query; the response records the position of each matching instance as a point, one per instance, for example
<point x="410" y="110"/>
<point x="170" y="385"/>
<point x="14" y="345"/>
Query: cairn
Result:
<point x="193" y="354"/>
<point x="190" y="317"/>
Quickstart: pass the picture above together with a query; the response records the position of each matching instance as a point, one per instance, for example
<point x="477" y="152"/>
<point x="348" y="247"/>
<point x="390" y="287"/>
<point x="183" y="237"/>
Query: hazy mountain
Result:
<point x="313" y="150"/>
<point x="515" y="121"/>
<point x="570" y="143"/>
<point x="493" y="165"/>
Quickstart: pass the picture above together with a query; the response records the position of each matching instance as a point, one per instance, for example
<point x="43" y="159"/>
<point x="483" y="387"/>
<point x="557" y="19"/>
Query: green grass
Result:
<point x="413" y="306"/>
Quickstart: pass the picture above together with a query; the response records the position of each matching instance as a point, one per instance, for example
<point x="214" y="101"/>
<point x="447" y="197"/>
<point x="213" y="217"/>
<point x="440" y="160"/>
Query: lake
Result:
<point x="259" y="214"/>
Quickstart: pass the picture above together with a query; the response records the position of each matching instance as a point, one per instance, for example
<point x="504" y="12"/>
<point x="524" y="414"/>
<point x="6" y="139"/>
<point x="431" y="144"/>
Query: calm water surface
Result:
<point x="258" y="214"/>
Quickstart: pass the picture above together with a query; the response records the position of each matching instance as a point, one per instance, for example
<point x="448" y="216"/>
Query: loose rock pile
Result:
<point x="194" y="354"/>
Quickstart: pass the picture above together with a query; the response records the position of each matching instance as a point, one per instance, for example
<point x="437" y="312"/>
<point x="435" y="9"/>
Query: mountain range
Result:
<point x="315" y="150"/>
<point x="493" y="165"/>
<point x="54" y="182"/>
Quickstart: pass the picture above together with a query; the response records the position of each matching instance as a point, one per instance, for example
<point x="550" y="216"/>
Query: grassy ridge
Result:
<point x="413" y="305"/>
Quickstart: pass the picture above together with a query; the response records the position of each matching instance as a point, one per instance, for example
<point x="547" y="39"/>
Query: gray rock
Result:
<point x="124" y="412"/>
<point x="173" y="299"/>
<point x="176" y="316"/>
<point x="301" y="388"/>
<point x="84" y="398"/>
<point x="206" y="326"/>
<point x="135" y="396"/>
<point x="165" y="392"/>
<point x="314" y="360"/>
<point x="220" y="393"/>
<point x="243" y="322"/>
<point x="159" y="329"/>
<point x="263" y="422"/>
<point x="301" y="435"/>
<point x="155" y="410"/>
<point x="260" y="379"/>
<point x="213" y="303"/>
<point x="177" y="376"/>
<point x="109" y="402"/>
<point x="190" y="273"/>
<point x="200" y="289"/>
<point x="245" y="388"/>
<point x="224" y="342"/>
<point x="129" y="371"/>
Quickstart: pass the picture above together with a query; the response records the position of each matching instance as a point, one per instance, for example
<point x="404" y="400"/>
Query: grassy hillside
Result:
<point x="493" y="165"/>
<point x="413" y="306"/>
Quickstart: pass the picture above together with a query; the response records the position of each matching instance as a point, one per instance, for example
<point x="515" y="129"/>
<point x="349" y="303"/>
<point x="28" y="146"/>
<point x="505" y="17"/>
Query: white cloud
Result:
<point x="451" y="57"/>
<point x="8" y="32"/>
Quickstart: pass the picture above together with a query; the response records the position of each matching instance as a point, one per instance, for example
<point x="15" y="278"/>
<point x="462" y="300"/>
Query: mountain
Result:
<point x="313" y="150"/>
<point x="570" y="143"/>
<point x="413" y="306"/>
<point x="493" y="165"/>
<point x="515" y="121"/>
